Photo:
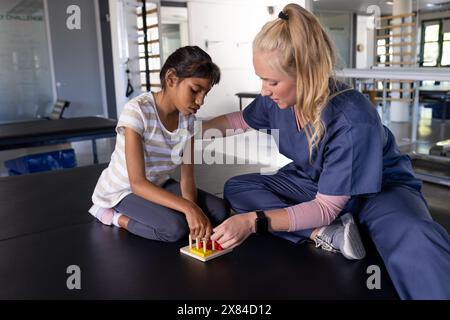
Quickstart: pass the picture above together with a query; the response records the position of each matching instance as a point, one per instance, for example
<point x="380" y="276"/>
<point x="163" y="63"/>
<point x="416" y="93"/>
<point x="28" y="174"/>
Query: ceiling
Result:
<point x="362" y="5"/>
<point x="359" y="5"/>
<point x="30" y="6"/>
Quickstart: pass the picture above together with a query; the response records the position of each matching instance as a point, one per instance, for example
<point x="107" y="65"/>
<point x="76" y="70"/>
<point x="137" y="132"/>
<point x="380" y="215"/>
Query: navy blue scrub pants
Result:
<point x="155" y="222"/>
<point x="414" y="248"/>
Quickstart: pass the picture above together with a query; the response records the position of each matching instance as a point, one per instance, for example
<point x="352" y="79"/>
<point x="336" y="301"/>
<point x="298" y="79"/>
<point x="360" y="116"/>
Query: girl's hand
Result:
<point x="198" y="222"/>
<point x="233" y="231"/>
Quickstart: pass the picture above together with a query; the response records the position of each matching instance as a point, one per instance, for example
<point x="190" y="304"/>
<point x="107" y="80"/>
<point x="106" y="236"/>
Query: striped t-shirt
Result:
<point x="162" y="149"/>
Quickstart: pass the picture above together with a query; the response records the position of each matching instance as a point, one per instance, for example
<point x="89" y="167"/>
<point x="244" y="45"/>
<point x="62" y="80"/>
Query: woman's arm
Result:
<point x="221" y="123"/>
<point x="230" y="121"/>
<point x="233" y="231"/>
<point x="311" y="214"/>
<point x="187" y="181"/>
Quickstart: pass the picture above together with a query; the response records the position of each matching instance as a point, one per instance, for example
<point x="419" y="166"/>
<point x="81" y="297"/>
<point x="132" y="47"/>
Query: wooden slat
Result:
<point x="151" y="41"/>
<point x="399" y="90"/>
<point x="394" y="54"/>
<point x="151" y="85"/>
<point x="394" y="26"/>
<point x="395" y="99"/>
<point x="402" y="81"/>
<point x="398" y="62"/>
<point x="150" y="56"/>
<point x="401" y="44"/>
<point x="398" y="35"/>
<point x="151" y="71"/>
<point x="148" y="12"/>
<point x="403" y="15"/>
<point x="148" y="27"/>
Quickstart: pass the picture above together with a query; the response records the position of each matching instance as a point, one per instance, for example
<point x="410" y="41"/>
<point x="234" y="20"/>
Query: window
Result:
<point x="25" y="76"/>
<point x="435" y="48"/>
<point x="445" y="60"/>
<point x="148" y="45"/>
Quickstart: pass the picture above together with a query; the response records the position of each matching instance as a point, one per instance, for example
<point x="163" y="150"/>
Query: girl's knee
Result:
<point x="174" y="231"/>
<point x="173" y="237"/>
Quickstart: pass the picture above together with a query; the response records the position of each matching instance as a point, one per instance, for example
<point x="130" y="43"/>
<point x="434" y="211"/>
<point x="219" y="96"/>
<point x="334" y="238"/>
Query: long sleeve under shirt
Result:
<point x="315" y="213"/>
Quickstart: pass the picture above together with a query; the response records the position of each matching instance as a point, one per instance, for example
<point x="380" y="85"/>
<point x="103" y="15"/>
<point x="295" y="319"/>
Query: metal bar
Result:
<point x="94" y="151"/>
<point x="397" y="73"/>
<point x="383" y="107"/>
<point x="433" y="178"/>
<point x="415" y="113"/>
<point x="146" y="53"/>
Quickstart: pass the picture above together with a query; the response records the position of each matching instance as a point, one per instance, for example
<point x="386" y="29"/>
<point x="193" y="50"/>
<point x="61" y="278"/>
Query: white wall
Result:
<point x="339" y="26"/>
<point x="365" y="36"/>
<point x="177" y="16"/>
<point x="228" y="29"/>
<point x="432" y="15"/>
<point x="228" y="25"/>
<point x="123" y="33"/>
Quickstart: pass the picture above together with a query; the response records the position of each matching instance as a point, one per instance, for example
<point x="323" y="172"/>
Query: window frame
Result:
<point x="440" y="42"/>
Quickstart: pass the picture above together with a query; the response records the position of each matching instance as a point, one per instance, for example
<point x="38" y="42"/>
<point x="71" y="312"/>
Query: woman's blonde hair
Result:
<point x="305" y="52"/>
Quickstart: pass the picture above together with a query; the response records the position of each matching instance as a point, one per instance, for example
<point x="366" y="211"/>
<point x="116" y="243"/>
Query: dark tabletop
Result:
<point x="46" y="228"/>
<point x="438" y="93"/>
<point x="247" y="94"/>
<point x="21" y="134"/>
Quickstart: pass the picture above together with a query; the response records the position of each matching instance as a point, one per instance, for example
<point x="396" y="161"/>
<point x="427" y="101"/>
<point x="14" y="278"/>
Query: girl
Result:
<point x="344" y="160"/>
<point x="135" y="192"/>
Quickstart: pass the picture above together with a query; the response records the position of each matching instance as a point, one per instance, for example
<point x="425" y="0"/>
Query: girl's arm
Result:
<point x="187" y="181"/>
<point x="140" y="186"/>
<point x="198" y="223"/>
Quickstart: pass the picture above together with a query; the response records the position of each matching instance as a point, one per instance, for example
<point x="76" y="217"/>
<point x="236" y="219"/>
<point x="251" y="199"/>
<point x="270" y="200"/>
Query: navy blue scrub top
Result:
<point x="356" y="156"/>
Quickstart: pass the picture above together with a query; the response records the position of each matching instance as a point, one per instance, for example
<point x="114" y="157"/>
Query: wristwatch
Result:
<point x="262" y="223"/>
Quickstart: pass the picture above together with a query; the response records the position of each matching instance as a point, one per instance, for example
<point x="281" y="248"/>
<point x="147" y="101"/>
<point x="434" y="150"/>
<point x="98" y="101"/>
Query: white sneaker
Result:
<point x="342" y="236"/>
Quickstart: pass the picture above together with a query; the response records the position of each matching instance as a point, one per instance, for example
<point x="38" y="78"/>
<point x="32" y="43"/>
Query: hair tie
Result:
<point x="283" y="15"/>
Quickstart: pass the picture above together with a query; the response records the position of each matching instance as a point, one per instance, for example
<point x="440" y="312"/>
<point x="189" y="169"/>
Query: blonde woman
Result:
<point x="345" y="164"/>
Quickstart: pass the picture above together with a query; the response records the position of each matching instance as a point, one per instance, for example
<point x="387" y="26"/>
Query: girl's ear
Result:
<point x="171" y="78"/>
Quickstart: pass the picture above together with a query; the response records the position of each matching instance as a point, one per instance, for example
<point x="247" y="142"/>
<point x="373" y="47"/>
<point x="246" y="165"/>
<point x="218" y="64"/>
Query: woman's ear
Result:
<point x="171" y="78"/>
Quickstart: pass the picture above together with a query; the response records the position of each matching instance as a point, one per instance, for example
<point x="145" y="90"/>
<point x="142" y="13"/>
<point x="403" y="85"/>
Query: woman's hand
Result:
<point x="233" y="231"/>
<point x="198" y="222"/>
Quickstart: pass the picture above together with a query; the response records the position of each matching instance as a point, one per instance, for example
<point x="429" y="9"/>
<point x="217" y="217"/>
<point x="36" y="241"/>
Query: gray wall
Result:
<point x="340" y="28"/>
<point x="76" y="58"/>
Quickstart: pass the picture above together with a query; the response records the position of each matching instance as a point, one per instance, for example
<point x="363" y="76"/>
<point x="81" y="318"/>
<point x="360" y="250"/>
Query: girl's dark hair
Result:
<point x="191" y="62"/>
